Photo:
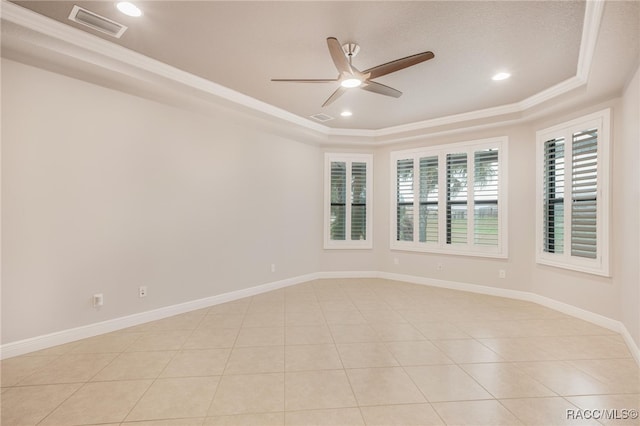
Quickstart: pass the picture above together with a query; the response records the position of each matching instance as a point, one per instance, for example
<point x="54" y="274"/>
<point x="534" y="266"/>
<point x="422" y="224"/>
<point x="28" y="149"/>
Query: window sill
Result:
<point x="458" y="251"/>
<point x="594" y="267"/>
<point x="348" y="246"/>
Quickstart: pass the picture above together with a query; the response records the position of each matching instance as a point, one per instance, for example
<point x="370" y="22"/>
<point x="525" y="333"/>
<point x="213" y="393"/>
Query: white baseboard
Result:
<point x="42" y="342"/>
<point x="70" y="335"/>
<point x="453" y="285"/>
<point x="511" y="294"/>
<point x="631" y="344"/>
<point x="565" y="308"/>
<point x="348" y="274"/>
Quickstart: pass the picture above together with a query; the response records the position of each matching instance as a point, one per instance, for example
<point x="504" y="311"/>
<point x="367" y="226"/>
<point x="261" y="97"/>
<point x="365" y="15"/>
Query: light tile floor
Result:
<point x="333" y="352"/>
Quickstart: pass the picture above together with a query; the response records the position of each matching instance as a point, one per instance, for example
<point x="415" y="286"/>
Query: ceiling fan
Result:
<point x="350" y="77"/>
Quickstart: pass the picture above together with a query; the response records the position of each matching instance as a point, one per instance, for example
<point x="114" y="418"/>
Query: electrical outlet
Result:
<point x="396" y="261"/>
<point x="440" y="266"/>
<point x="142" y="291"/>
<point x="98" y="300"/>
<point x="502" y="273"/>
<point x="273" y="267"/>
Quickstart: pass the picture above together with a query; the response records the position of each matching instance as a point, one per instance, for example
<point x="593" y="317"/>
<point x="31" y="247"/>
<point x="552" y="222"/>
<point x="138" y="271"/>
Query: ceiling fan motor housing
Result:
<point x="350" y="49"/>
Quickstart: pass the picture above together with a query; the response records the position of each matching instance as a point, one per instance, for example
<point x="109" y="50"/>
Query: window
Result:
<point x="450" y="199"/>
<point x="573" y="195"/>
<point x="347" y="220"/>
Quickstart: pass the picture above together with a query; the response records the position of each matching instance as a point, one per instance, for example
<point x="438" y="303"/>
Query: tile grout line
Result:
<point x="153" y="381"/>
<point x="409" y="375"/>
<point x="82" y="385"/>
<point x="233" y="346"/>
<point x="344" y="370"/>
<point x="375" y="294"/>
<point x="413" y="381"/>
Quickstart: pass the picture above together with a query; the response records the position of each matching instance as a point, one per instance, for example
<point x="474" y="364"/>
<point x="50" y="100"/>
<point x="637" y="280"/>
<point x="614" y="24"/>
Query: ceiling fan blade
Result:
<point x="306" y="80"/>
<point x="335" y="95"/>
<point x="338" y="56"/>
<point x="398" y="64"/>
<point x="381" y="89"/>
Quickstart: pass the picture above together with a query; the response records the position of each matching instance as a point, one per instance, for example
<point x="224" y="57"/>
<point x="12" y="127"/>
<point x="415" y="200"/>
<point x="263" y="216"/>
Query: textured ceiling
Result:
<point x="242" y="45"/>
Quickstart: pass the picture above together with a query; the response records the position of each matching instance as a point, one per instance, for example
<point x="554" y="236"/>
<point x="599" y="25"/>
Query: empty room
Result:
<point x="320" y="213"/>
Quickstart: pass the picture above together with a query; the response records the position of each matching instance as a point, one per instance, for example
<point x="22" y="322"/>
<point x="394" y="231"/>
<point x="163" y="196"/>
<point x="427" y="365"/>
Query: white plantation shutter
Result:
<point x="404" y="200"/>
<point x="450" y="199"/>
<point x="358" y="201"/>
<point x="338" y="218"/>
<point x="428" y="222"/>
<point x="584" y="178"/>
<point x="573" y="192"/>
<point x="485" y="197"/>
<point x="456" y="215"/>
<point x="348" y="200"/>
<point x="553" y="196"/>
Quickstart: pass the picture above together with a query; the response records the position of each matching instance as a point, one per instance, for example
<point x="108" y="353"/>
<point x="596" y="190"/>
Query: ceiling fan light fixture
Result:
<point x="501" y="76"/>
<point x="351" y="82"/>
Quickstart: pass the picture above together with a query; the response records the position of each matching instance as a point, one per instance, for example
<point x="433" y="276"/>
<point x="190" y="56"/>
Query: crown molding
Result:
<point x="590" y="29"/>
<point x="449" y="119"/>
<point x="87" y="42"/>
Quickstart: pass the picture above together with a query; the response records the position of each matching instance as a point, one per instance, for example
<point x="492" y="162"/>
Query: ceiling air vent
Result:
<point x="322" y="117"/>
<point x="97" y="22"/>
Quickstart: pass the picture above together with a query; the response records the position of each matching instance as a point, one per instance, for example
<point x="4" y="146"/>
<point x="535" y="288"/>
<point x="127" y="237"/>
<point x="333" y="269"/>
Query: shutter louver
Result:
<point x="573" y="197"/>
<point x="428" y="199"/>
<point x="485" y="197"/>
<point x="553" y="196"/>
<point x="404" y="202"/>
<point x="358" y="201"/>
<point x="457" y="198"/>
<point x="338" y="201"/>
<point x="584" y="176"/>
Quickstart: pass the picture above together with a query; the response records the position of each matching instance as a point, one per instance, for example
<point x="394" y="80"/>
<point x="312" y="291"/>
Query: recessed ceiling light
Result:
<point x="346" y="113"/>
<point x="501" y="76"/>
<point x="351" y="82"/>
<point x="129" y="9"/>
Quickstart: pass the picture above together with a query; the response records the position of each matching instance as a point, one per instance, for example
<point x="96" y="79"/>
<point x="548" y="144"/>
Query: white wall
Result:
<point x="104" y="192"/>
<point x="627" y="215"/>
<point x="464" y="269"/>
<point x="618" y="296"/>
<point x="600" y="295"/>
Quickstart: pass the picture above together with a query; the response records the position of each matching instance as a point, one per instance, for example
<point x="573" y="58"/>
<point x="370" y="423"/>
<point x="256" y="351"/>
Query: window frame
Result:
<point x="601" y="121"/>
<point x="441" y="246"/>
<point x="348" y="243"/>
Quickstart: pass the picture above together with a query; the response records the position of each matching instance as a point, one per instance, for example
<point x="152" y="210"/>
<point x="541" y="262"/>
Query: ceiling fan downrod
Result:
<point x="350" y="50"/>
